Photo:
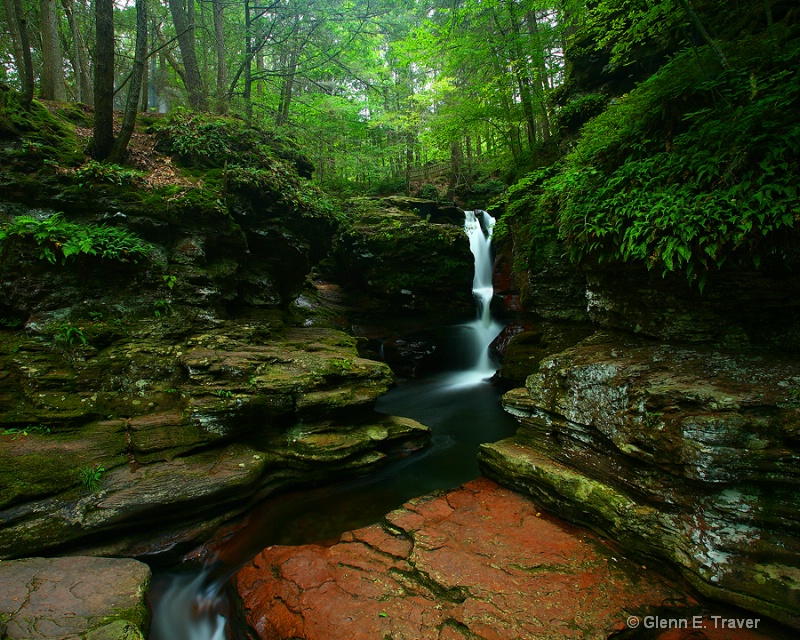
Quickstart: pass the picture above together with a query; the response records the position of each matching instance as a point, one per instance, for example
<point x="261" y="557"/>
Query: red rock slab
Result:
<point x="476" y="562"/>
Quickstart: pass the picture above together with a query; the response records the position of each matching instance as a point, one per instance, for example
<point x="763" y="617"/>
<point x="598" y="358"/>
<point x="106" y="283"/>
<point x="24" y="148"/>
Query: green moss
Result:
<point x="42" y="135"/>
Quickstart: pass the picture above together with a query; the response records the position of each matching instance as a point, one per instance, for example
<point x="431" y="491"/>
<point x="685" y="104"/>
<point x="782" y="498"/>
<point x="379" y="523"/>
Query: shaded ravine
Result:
<point x="460" y="406"/>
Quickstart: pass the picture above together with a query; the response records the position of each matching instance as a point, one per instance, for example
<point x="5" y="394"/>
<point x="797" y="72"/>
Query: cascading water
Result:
<point x="480" y="332"/>
<point x="462" y="411"/>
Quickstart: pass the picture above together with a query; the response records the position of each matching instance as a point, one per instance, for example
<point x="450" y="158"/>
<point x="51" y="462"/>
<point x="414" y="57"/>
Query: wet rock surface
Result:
<point x="98" y="442"/>
<point x="476" y="562"/>
<point x="682" y="453"/>
<point x="77" y="597"/>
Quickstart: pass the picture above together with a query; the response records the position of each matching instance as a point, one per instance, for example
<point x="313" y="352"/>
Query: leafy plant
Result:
<point x="57" y="237"/>
<point x="98" y="172"/>
<point x="169" y="280"/>
<point x="91" y="476"/>
<point x="162" y="308"/>
<point x="68" y="334"/>
<point x="224" y="393"/>
<point x="38" y="429"/>
<point x="342" y="365"/>
<point x="717" y="179"/>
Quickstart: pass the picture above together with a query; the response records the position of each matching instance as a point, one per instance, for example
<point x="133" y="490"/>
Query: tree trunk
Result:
<point x="52" y="87"/>
<point x="120" y="145"/>
<point x="523" y="79"/>
<point x="222" y="64"/>
<point x="184" y="26"/>
<point x="286" y="90"/>
<point x="248" y="70"/>
<point x="103" y="137"/>
<point x="687" y="6"/>
<point x="544" y="79"/>
<point x="22" y="49"/>
<point x="83" y="76"/>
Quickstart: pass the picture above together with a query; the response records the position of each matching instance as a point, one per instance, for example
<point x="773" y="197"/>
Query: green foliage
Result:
<point x="65" y="333"/>
<point x="16" y="432"/>
<point x="162" y="308"/>
<point x="578" y="110"/>
<point x="60" y="238"/>
<point x="90" y="477"/>
<point x="210" y="141"/>
<point x="342" y="365"/>
<point x="283" y="186"/>
<point x="98" y="172"/>
<point x="387" y="187"/>
<point x="685" y="171"/>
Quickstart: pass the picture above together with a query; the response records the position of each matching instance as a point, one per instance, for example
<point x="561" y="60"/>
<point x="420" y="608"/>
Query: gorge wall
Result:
<point x="666" y="419"/>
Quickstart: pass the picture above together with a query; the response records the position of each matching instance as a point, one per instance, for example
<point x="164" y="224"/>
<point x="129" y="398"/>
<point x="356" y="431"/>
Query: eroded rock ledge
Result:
<point x="686" y="454"/>
<point x="180" y="434"/>
<point x="476" y="562"/>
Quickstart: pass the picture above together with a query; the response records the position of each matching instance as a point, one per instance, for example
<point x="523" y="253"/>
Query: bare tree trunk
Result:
<point x="544" y="79"/>
<point x="222" y="64"/>
<point x="687" y="6"/>
<point x="103" y="135"/>
<point x="145" y="92"/>
<point x="83" y="76"/>
<point x="286" y="90"/>
<point x="18" y="26"/>
<point x="248" y="70"/>
<point x="16" y="39"/>
<point x="184" y="26"/>
<point x="52" y="87"/>
<point x="134" y="89"/>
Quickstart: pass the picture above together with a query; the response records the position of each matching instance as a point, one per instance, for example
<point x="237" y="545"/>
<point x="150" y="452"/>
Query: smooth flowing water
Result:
<point x="462" y="409"/>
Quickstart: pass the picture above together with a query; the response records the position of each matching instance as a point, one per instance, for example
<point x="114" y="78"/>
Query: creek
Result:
<point x="460" y="406"/>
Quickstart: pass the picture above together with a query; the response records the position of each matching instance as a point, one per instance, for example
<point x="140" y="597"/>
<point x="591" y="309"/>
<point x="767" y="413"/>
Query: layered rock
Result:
<point x="150" y="442"/>
<point x="738" y="306"/>
<point x="77" y="597"/>
<point x="684" y="454"/>
<point x="476" y="562"/>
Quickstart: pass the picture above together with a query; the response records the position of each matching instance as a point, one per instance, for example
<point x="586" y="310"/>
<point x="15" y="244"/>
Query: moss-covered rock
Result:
<point x="405" y="257"/>
<point x="178" y="432"/>
<point x="679" y="453"/>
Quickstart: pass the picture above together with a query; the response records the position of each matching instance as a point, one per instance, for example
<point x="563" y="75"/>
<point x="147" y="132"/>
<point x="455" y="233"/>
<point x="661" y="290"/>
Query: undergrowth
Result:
<point x="694" y="166"/>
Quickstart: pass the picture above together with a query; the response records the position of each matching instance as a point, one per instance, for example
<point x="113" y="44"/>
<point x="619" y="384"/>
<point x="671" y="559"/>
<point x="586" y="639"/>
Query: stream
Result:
<point x="461" y="407"/>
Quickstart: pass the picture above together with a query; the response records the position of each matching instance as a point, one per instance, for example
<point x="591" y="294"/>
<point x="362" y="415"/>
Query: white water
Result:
<point x="480" y="332"/>
<point x="187" y="609"/>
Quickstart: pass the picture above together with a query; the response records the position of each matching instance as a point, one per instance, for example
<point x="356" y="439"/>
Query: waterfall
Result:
<point x="483" y="329"/>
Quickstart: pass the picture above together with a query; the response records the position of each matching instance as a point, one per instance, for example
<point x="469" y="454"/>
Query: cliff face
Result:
<point x="164" y="359"/>
<point x="673" y="429"/>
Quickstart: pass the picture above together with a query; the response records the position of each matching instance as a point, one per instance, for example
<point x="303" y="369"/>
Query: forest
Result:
<point x="664" y="132"/>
